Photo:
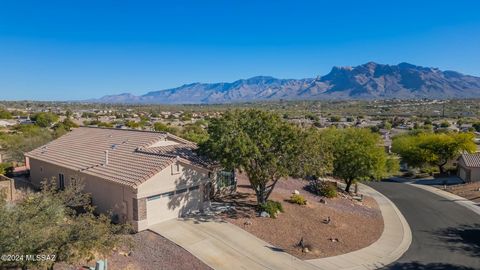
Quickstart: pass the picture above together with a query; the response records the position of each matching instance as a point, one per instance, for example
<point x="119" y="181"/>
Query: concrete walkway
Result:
<point x="222" y="245"/>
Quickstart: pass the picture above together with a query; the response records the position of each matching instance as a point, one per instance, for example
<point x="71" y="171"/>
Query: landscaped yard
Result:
<point x="470" y="191"/>
<point x="355" y="224"/>
<point x="149" y="251"/>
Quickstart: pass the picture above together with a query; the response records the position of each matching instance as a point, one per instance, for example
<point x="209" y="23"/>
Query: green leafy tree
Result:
<point x="166" y="128"/>
<point x="257" y="142"/>
<point x="435" y="149"/>
<point x="476" y="126"/>
<point x="314" y="154"/>
<point x="194" y="132"/>
<point x="24" y="139"/>
<point x="45" y="119"/>
<point x="4" y="114"/>
<point x="358" y="155"/>
<point x="444" y="124"/>
<point x="47" y="223"/>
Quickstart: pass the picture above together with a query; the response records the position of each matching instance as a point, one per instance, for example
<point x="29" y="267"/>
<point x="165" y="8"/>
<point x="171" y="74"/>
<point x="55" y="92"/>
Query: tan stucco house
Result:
<point x="141" y="177"/>
<point x="469" y="167"/>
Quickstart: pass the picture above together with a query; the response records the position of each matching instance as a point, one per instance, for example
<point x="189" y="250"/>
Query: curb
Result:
<point x="394" y="241"/>
<point x="450" y="196"/>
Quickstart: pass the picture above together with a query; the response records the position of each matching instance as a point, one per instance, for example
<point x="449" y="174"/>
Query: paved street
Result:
<point x="445" y="235"/>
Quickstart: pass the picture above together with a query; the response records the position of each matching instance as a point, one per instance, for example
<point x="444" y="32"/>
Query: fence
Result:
<point x="7" y="185"/>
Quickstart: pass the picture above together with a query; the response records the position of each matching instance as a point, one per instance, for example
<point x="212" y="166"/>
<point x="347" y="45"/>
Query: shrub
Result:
<point x="271" y="207"/>
<point x="298" y="199"/>
<point x="328" y="190"/>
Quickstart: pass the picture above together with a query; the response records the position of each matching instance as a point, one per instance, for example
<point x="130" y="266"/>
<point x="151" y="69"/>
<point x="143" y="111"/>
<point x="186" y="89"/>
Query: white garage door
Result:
<point x="170" y="205"/>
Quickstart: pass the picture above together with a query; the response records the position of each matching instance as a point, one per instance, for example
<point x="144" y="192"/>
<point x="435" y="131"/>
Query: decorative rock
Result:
<point x="323" y="201"/>
<point x="296" y="192"/>
<point x="333" y="239"/>
<point x="305" y="250"/>
<point x="264" y="214"/>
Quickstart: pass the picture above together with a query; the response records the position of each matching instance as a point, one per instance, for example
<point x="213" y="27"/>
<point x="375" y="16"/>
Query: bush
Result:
<point x="272" y="208"/>
<point x="298" y="199"/>
<point x="328" y="190"/>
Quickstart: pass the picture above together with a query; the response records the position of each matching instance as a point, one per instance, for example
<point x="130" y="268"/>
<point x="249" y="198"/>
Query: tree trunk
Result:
<point x="260" y="192"/>
<point x="349" y="183"/>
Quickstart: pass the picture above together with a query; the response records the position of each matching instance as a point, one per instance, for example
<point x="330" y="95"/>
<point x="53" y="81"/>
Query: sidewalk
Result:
<point x="222" y="245"/>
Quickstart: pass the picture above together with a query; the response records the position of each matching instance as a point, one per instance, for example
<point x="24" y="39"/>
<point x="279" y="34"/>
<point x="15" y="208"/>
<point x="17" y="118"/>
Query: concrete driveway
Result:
<point x="224" y="246"/>
<point x="446" y="235"/>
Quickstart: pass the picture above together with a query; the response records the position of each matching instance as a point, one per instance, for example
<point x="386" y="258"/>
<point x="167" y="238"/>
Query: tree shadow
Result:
<point x="189" y="191"/>
<point x="241" y="205"/>
<point x="426" y="266"/>
<point x="464" y="238"/>
<point x="276" y="249"/>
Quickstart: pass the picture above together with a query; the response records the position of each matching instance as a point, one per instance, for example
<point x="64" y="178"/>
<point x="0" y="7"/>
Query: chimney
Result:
<point x="106" y="158"/>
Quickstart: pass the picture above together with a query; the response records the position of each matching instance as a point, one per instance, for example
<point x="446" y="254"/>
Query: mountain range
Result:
<point x="367" y="81"/>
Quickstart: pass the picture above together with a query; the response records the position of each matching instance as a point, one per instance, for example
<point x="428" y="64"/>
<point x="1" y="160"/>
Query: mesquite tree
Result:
<point x="256" y="142"/>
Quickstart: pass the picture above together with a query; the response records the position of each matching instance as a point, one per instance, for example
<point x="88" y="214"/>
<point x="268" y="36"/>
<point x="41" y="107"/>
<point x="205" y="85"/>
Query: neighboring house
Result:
<point x="141" y="177"/>
<point x="469" y="167"/>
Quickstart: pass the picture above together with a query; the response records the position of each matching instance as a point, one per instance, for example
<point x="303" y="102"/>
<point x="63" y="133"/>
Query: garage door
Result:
<point x="172" y="204"/>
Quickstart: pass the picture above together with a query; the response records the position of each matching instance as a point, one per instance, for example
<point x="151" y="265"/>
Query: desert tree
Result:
<point x="358" y="154"/>
<point x="259" y="143"/>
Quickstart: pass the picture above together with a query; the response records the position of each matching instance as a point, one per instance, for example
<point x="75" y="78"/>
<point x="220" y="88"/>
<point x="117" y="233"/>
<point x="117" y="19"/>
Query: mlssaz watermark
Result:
<point x="27" y="257"/>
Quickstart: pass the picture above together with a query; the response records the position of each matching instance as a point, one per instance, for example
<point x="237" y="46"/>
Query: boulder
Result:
<point x="264" y="214"/>
<point x="296" y="192"/>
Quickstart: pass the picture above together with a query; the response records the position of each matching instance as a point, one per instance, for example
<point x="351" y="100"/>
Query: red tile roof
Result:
<point x="133" y="155"/>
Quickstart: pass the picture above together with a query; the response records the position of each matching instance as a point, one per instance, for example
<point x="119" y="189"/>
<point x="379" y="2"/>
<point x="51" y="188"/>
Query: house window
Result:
<point x="158" y="196"/>
<point x="72" y="181"/>
<point x="41" y="169"/>
<point x="225" y="179"/>
<point x="176" y="168"/>
<point x="61" y="181"/>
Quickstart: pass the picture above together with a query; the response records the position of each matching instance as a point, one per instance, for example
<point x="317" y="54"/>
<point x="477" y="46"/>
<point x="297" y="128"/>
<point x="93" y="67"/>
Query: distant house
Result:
<point x="140" y="177"/>
<point x="469" y="167"/>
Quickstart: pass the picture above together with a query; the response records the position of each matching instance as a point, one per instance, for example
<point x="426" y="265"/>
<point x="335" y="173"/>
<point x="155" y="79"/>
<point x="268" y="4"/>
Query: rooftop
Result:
<point x="471" y="160"/>
<point x="133" y="156"/>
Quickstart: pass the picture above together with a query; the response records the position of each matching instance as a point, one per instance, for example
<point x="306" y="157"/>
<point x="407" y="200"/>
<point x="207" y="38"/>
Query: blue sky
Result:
<point x="64" y="50"/>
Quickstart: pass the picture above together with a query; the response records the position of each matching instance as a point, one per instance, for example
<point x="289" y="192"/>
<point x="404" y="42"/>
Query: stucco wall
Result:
<point x="106" y="195"/>
<point x="119" y="199"/>
<point x="463" y="172"/>
<point x="165" y="180"/>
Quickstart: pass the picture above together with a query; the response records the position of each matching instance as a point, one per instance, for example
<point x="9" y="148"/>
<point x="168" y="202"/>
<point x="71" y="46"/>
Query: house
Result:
<point x="469" y="167"/>
<point x="141" y="177"/>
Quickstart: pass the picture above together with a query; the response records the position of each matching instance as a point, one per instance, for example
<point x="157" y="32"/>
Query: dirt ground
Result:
<point x="470" y="191"/>
<point x="355" y="224"/>
<point x="149" y="252"/>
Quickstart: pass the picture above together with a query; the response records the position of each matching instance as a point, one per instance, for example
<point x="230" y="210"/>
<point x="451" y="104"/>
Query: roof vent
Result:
<point x="106" y="158"/>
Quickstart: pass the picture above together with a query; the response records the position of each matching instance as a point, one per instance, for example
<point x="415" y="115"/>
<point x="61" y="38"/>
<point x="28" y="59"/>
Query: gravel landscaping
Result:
<point x="149" y="251"/>
<point x="470" y="191"/>
<point x="353" y="224"/>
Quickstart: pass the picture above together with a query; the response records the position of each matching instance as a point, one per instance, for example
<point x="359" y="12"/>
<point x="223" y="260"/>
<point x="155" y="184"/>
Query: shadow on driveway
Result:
<point x="427" y="266"/>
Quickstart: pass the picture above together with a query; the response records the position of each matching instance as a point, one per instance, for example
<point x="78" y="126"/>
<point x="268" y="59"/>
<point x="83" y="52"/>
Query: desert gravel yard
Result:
<point x="149" y="251"/>
<point x="153" y="252"/>
<point x="354" y="224"/>
<point x="470" y="191"/>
